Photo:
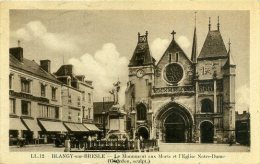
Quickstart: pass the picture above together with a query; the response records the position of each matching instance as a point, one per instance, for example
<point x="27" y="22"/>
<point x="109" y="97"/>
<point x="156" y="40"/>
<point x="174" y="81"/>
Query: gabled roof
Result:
<point x="175" y="45"/>
<point x="31" y="67"/>
<point x="98" y="107"/>
<point x="141" y="53"/>
<point x="213" y="46"/>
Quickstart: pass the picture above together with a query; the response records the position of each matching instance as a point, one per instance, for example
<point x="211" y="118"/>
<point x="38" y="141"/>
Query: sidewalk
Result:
<point x="37" y="148"/>
<point x="198" y="147"/>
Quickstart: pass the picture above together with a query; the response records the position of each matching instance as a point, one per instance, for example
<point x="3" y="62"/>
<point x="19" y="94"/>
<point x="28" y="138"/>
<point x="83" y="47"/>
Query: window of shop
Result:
<point x="57" y="113"/>
<point x="26" y="108"/>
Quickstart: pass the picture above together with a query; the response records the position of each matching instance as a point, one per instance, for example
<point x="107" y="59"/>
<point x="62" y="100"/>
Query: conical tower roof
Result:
<point x="213" y="46"/>
<point x="142" y="55"/>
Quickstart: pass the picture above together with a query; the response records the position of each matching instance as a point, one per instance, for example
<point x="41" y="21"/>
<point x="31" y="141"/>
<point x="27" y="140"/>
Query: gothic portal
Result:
<point x="182" y="99"/>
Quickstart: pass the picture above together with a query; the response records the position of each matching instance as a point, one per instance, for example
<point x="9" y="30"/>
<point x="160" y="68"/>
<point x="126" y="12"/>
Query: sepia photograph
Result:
<point x="129" y="81"/>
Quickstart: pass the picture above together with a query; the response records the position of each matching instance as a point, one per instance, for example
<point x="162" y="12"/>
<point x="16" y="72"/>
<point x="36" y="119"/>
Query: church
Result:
<point x="182" y="99"/>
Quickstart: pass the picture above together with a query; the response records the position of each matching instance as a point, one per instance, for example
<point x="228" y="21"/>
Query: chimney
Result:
<point x="80" y="78"/>
<point x="46" y="65"/>
<point x="89" y="82"/>
<point x="17" y="52"/>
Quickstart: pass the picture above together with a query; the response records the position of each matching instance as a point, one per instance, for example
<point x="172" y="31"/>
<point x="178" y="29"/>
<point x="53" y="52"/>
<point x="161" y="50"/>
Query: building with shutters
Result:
<point x="182" y="99"/>
<point x="77" y="102"/>
<point x="35" y="99"/>
<point x="44" y="105"/>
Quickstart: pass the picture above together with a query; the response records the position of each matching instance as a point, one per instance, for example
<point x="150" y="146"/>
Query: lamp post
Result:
<point x="103" y="115"/>
<point x="104" y="124"/>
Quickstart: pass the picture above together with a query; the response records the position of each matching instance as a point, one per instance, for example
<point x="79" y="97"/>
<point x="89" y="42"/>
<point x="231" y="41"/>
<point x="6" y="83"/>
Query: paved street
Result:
<point x="37" y="148"/>
<point x="164" y="147"/>
<point x="192" y="147"/>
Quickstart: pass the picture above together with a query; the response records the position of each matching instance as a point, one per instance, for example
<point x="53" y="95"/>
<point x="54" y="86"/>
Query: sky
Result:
<point x="100" y="43"/>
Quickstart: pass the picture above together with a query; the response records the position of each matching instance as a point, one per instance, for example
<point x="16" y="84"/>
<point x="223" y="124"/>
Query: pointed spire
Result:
<point x="218" y="23"/>
<point x="229" y="44"/>
<point x="209" y="24"/>
<point x="230" y="60"/>
<point x="195" y="13"/>
<point x="194" y="45"/>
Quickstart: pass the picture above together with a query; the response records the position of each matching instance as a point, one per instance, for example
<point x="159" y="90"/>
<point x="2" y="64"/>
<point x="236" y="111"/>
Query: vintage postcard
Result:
<point x="130" y="82"/>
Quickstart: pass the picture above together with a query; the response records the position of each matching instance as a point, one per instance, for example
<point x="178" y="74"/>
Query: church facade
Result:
<point x="182" y="99"/>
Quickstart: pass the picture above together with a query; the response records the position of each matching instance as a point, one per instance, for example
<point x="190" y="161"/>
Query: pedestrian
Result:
<point x="231" y="140"/>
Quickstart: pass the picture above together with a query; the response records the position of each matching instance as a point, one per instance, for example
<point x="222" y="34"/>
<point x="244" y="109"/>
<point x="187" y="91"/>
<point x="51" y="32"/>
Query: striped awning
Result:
<point x="32" y="124"/>
<point x="92" y="127"/>
<point x="82" y="127"/>
<point x="16" y="124"/>
<point x="75" y="127"/>
<point x="53" y="126"/>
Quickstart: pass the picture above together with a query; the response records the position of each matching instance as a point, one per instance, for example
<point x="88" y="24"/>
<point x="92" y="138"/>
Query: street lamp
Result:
<point x="104" y="124"/>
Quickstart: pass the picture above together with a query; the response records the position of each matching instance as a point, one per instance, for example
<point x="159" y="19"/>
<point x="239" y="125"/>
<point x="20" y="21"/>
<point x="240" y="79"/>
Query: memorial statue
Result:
<point x="115" y="91"/>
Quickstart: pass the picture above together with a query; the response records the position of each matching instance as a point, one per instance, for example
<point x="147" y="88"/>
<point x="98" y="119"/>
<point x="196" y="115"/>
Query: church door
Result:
<point x="174" y="128"/>
<point x="143" y="132"/>
<point x="207" y="132"/>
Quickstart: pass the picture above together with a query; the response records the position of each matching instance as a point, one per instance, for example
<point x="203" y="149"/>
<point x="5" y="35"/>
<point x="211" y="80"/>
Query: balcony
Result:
<point x="209" y="115"/>
<point x="174" y="90"/>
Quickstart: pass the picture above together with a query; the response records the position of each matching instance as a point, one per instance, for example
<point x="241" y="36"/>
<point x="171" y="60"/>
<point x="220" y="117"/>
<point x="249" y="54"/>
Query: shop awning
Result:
<point x="92" y="127"/>
<point x="16" y="124"/>
<point x="82" y="127"/>
<point x="32" y="124"/>
<point x="53" y="126"/>
<point x="74" y="127"/>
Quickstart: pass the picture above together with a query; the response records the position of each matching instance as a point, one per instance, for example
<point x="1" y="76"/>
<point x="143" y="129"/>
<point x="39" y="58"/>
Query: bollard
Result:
<point x="67" y="145"/>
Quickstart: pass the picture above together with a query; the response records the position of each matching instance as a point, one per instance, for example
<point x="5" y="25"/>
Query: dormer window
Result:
<point x="69" y="81"/>
<point x="140" y="59"/>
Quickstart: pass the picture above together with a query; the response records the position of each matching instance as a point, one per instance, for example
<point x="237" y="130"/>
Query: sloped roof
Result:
<point x="142" y="51"/>
<point x="242" y="117"/>
<point x="31" y="67"/>
<point x="174" y="45"/>
<point x="213" y="46"/>
<point x="98" y="106"/>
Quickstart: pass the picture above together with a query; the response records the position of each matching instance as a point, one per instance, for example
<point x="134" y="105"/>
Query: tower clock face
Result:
<point x="140" y="73"/>
<point x="173" y="73"/>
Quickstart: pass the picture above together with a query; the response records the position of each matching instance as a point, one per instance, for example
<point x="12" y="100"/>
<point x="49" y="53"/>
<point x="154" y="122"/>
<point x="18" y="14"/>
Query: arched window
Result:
<point x="207" y="106"/>
<point x="141" y="112"/>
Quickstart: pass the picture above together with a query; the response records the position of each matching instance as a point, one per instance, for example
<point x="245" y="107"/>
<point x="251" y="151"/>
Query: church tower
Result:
<point x="215" y="116"/>
<point x="229" y="92"/>
<point x="139" y="88"/>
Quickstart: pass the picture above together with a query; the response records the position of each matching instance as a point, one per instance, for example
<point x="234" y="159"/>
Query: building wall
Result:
<point x="35" y="84"/>
<point x="72" y="104"/>
<point x="34" y="98"/>
<point x="87" y="101"/>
